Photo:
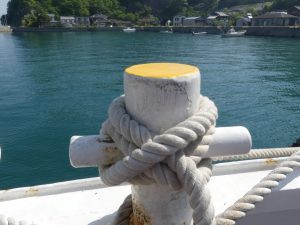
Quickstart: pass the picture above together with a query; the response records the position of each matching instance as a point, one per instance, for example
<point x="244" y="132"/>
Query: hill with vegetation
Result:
<point x="34" y="12"/>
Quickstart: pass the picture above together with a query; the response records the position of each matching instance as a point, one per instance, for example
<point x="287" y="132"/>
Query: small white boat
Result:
<point x="233" y="33"/>
<point x="129" y="30"/>
<point x="198" y="33"/>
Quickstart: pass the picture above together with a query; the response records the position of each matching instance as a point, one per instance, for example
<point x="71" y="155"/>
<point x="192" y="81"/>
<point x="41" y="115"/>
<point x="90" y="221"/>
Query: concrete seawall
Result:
<point x="274" y="31"/>
<point x="64" y="29"/>
<point x="251" y="31"/>
<point x="208" y="29"/>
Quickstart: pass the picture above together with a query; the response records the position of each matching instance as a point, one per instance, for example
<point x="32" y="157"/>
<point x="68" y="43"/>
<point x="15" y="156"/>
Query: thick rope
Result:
<point x="11" y="221"/>
<point x="257" y="154"/>
<point x="247" y="203"/>
<point x="172" y="158"/>
<point x="239" y="209"/>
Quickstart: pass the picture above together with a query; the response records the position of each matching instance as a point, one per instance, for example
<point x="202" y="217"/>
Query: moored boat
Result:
<point x="129" y="30"/>
<point x="233" y="33"/>
<point x="199" y="33"/>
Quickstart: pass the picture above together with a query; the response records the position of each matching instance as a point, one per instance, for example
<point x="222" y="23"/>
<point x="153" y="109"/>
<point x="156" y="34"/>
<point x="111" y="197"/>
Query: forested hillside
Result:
<point x="131" y="10"/>
<point x="36" y="10"/>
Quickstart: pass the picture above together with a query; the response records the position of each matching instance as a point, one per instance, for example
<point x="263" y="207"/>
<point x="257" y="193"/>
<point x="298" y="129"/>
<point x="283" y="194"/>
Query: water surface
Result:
<point x="55" y="85"/>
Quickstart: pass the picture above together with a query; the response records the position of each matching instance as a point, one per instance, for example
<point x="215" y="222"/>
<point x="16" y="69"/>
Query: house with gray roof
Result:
<point x="295" y="11"/>
<point x="190" y="21"/>
<point x="217" y="16"/>
<point x="99" y="20"/>
<point x="275" y="19"/>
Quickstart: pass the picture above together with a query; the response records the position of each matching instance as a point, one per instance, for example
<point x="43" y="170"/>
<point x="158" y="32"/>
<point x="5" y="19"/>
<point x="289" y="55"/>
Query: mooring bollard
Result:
<point x="159" y="96"/>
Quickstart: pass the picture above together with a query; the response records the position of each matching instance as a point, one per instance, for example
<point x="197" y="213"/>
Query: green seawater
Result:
<point x="55" y="85"/>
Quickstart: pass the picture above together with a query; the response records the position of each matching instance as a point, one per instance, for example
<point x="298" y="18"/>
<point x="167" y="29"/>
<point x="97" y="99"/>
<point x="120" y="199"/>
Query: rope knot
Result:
<point x="173" y="158"/>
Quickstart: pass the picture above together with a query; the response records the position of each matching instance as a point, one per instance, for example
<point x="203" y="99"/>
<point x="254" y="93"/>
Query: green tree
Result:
<point x="3" y="20"/>
<point x="17" y="9"/>
<point x="284" y="4"/>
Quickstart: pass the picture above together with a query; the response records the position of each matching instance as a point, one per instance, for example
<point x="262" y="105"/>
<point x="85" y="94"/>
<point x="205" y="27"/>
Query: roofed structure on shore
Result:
<point x="99" y="20"/>
<point x="219" y="16"/>
<point x="275" y="19"/>
<point x="244" y="21"/>
<point x="189" y="21"/>
<point x="295" y="11"/>
<point x="67" y="21"/>
<point x="82" y="20"/>
<point x="178" y="20"/>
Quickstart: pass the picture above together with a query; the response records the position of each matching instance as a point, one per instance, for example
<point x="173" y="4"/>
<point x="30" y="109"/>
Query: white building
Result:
<point x="178" y="21"/>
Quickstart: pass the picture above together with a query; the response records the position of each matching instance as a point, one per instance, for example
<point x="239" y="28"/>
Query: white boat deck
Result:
<point x="90" y="202"/>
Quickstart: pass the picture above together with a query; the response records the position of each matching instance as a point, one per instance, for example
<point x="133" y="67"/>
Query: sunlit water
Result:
<point x="55" y="85"/>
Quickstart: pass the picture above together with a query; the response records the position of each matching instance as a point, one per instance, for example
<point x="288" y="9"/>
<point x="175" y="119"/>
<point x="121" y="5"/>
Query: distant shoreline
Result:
<point x="251" y="31"/>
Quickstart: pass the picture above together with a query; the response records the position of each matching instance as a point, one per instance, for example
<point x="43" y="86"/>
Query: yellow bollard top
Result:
<point x="161" y="70"/>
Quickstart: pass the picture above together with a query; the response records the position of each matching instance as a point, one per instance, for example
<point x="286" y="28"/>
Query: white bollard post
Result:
<point x="160" y="95"/>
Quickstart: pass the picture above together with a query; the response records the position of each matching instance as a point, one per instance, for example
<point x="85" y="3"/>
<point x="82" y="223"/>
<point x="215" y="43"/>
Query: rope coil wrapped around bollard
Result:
<point x="172" y="158"/>
<point x="170" y="150"/>
<point x="175" y="160"/>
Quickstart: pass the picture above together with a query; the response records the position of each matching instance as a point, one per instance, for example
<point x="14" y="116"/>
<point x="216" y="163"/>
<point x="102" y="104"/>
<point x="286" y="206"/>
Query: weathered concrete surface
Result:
<point x="64" y="29"/>
<point x="208" y="29"/>
<point x="274" y="31"/>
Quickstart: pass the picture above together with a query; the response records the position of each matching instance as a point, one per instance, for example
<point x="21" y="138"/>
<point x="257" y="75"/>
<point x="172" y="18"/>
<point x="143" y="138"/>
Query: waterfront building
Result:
<point x="275" y="19"/>
<point x="82" y="20"/>
<point x="189" y="21"/>
<point x="295" y="11"/>
<point x="67" y="21"/>
<point x="194" y="21"/>
<point x="217" y="16"/>
<point x="244" y="21"/>
<point x="99" y="20"/>
<point x="178" y="20"/>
